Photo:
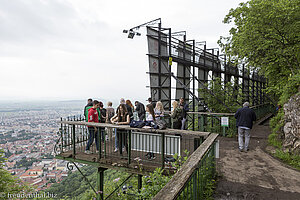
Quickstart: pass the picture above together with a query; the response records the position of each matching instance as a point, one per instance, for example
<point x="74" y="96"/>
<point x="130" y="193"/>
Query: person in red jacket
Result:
<point x="93" y="132"/>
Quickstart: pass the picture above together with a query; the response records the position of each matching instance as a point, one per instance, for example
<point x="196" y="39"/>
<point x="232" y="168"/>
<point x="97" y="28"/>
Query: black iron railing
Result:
<point x="195" y="176"/>
<point x="125" y="146"/>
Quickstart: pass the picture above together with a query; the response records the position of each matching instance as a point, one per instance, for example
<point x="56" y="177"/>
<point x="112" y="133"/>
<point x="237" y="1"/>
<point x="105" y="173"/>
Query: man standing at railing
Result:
<point x="93" y="132"/>
<point x="185" y="109"/>
<point x="244" y="121"/>
<point x="88" y="105"/>
<point x="140" y="108"/>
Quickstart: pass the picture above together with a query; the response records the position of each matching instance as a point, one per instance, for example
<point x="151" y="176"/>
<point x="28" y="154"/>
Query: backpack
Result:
<point x="137" y="124"/>
<point x="162" y="124"/>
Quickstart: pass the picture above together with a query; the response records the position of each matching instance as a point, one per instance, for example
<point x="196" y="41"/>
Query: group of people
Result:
<point x="95" y="112"/>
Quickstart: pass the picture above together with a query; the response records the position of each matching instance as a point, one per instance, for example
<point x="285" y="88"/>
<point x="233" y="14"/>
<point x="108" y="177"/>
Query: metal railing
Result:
<point x="137" y="147"/>
<point x="195" y="175"/>
<point x="212" y="122"/>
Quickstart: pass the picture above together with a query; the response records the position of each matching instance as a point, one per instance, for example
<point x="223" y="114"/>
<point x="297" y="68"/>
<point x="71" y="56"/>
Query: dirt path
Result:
<point x="255" y="174"/>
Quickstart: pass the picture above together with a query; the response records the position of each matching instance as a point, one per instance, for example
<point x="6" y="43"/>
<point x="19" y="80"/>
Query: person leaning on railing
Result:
<point x="185" y="109"/>
<point x="176" y="115"/>
<point x="89" y="104"/>
<point x="121" y="118"/>
<point x="140" y="108"/>
<point x="149" y="119"/>
<point x="159" y="110"/>
<point x="110" y="112"/>
<point x="130" y="109"/>
<point x="93" y="132"/>
<point x="102" y="119"/>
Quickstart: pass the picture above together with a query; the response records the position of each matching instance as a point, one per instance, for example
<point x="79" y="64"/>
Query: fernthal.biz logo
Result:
<point x="27" y="195"/>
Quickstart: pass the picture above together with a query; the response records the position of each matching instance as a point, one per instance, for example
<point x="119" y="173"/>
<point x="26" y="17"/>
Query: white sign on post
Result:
<point x="225" y="121"/>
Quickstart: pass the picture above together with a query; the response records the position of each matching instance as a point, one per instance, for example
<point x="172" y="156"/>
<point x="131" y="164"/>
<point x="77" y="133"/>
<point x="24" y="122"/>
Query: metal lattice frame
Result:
<point x="195" y="67"/>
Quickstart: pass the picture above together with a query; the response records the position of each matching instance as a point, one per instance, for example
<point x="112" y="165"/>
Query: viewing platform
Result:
<point x="147" y="148"/>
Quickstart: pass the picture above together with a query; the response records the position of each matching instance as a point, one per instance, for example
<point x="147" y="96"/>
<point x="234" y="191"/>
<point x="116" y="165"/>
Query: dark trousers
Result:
<point x="92" y="134"/>
<point x="102" y="130"/>
<point x="122" y="140"/>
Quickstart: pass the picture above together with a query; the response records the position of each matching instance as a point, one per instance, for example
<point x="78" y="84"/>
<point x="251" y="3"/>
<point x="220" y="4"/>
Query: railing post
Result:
<point x="195" y="185"/>
<point x="214" y="157"/>
<point x="100" y="183"/>
<point x="62" y="138"/>
<point x="163" y="150"/>
<point x="129" y="146"/>
<point x="104" y="139"/>
<point x="140" y="177"/>
<point x="198" y="142"/>
<point x="74" y="144"/>
<point x="201" y="123"/>
<point x="99" y="142"/>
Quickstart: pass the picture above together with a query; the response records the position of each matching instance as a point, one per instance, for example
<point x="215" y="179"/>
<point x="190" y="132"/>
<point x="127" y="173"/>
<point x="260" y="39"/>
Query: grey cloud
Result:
<point x="52" y="23"/>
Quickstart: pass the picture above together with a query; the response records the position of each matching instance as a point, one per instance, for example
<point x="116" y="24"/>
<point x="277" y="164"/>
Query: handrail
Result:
<point x="173" y="188"/>
<point x="208" y="113"/>
<point x="128" y="128"/>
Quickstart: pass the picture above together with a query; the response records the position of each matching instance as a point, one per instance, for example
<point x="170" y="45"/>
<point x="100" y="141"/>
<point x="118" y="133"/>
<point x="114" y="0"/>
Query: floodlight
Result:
<point x="132" y="31"/>
<point x="131" y="34"/>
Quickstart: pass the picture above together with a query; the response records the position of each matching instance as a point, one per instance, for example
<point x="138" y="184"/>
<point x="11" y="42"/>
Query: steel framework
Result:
<point x="192" y="65"/>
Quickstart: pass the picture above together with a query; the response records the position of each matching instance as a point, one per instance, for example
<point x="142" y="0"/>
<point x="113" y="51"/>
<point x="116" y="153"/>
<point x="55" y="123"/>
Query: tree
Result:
<point x="266" y="36"/>
<point x="9" y="183"/>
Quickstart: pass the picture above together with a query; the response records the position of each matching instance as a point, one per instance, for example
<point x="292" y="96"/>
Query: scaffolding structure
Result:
<point x="191" y="64"/>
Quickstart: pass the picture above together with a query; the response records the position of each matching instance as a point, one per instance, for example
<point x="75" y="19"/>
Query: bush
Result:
<point x="276" y="124"/>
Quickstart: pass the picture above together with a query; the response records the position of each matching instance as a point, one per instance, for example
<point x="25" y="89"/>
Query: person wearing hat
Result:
<point x="151" y="102"/>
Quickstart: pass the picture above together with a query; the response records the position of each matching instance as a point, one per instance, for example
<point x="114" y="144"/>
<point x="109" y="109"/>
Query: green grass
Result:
<point x="274" y="139"/>
<point x="288" y="158"/>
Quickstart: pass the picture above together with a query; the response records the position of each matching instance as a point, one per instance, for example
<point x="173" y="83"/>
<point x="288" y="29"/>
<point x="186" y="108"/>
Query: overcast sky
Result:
<point x="75" y="49"/>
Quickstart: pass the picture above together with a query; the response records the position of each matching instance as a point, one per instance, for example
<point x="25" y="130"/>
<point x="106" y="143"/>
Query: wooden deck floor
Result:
<point x="139" y="162"/>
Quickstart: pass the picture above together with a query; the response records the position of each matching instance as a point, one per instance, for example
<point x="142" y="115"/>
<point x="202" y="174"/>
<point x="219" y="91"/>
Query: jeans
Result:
<point x="92" y="134"/>
<point x="102" y="130"/>
<point x="183" y="123"/>
<point x="122" y="140"/>
<point x="116" y="139"/>
<point x="241" y="132"/>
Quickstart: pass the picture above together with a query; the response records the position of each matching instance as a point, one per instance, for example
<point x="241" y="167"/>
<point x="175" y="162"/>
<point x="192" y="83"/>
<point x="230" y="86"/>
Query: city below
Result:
<point x="28" y="133"/>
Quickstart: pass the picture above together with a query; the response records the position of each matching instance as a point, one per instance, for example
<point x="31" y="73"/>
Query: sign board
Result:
<point x="225" y="121"/>
<point x="170" y="60"/>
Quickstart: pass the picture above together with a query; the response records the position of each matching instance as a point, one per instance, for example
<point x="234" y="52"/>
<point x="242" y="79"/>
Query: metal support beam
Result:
<point x="100" y="183"/>
<point x="170" y="70"/>
<point x="140" y="182"/>
<point x="159" y="59"/>
<point x="194" y="84"/>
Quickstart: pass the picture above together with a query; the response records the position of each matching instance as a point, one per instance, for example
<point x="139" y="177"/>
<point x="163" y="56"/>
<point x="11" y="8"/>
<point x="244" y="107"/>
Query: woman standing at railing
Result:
<point x="121" y="118"/>
<point x="110" y="113"/>
<point x="176" y="115"/>
<point x="130" y="109"/>
<point x="159" y="110"/>
<point x="150" y="113"/>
